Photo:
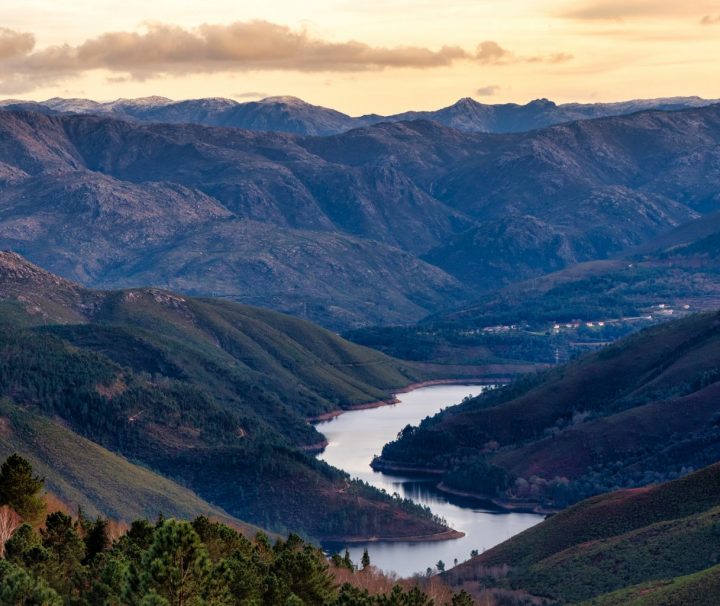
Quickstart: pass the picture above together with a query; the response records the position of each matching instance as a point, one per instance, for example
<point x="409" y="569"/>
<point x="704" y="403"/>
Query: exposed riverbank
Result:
<point x="407" y="389"/>
<point x="446" y="535"/>
<point x="509" y="506"/>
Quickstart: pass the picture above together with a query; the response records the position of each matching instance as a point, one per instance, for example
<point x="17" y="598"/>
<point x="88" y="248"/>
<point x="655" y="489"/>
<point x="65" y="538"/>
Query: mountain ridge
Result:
<point x="291" y="114"/>
<point x="418" y="209"/>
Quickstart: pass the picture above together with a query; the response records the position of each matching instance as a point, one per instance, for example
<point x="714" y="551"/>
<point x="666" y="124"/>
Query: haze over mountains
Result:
<point x="293" y="115"/>
<point x="379" y="225"/>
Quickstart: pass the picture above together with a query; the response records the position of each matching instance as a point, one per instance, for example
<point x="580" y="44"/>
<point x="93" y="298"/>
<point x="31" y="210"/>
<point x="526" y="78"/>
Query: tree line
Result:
<point x="54" y="559"/>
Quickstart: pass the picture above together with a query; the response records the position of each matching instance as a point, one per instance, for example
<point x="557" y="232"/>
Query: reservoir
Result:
<point x="355" y="437"/>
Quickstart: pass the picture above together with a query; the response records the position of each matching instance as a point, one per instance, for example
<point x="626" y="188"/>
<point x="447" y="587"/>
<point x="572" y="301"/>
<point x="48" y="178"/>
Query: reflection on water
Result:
<point x="356" y="436"/>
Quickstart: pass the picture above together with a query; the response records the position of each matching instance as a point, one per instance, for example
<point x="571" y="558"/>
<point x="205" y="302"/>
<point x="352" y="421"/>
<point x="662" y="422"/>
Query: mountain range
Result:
<point x="293" y="115"/>
<point x="385" y="224"/>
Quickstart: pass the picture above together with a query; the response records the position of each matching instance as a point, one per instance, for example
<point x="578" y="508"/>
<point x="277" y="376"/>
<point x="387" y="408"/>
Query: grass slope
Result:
<point x="613" y="542"/>
<point x="699" y="589"/>
<point x="83" y="474"/>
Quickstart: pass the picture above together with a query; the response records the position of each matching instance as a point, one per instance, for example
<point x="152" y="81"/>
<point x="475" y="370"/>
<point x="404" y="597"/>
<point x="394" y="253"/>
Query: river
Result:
<point x="356" y="436"/>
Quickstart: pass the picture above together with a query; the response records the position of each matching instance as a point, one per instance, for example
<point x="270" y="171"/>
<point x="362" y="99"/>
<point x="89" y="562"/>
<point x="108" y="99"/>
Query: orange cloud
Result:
<point x="618" y="10"/>
<point x="13" y="43"/>
<point x="241" y="46"/>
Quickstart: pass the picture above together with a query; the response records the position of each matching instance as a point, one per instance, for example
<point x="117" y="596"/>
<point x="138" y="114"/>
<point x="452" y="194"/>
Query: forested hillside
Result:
<point x="182" y="386"/>
<point x="606" y="420"/>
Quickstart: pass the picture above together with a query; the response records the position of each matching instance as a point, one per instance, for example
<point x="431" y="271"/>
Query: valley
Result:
<point x="356" y="436"/>
<point x="306" y="313"/>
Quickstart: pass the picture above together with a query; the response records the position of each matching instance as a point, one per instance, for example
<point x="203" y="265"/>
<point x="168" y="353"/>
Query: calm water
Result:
<point x="355" y="437"/>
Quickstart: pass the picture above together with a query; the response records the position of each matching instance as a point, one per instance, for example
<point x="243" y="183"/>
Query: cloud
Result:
<point x="710" y="20"/>
<point x="619" y="10"/>
<point x="163" y="50"/>
<point x="13" y="44"/>
<point x="491" y="52"/>
<point x="487" y="91"/>
<point x="254" y="45"/>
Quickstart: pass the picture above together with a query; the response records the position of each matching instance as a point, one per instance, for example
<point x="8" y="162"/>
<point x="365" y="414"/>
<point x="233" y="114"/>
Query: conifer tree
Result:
<point x="20" y="489"/>
<point x="17" y="586"/>
<point x="176" y="567"/>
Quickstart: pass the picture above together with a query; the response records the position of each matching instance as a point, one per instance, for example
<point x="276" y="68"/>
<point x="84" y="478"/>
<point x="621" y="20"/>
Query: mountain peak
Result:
<point x="14" y="267"/>
<point x="44" y="295"/>
<point x="466" y="102"/>
<point x="151" y="100"/>
<point x="542" y="103"/>
<point x="286" y="99"/>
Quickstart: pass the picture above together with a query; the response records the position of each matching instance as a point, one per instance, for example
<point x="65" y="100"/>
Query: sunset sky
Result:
<point x="364" y="56"/>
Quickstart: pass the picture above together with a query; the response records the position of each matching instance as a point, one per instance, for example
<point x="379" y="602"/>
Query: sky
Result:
<point x="362" y="56"/>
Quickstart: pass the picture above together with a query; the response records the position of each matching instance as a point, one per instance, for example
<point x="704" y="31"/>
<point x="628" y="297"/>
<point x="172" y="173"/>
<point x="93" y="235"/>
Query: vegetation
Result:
<point x="178" y="386"/>
<point x="626" y="544"/>
<point x="171" y="563"/>
<point x="699" y="589"/>
<point x="604" y="421"/>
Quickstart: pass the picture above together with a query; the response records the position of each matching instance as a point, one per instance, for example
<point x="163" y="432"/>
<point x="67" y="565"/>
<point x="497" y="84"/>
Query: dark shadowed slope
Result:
<point x="83" y="474"/>
<point x="641" y="410"/>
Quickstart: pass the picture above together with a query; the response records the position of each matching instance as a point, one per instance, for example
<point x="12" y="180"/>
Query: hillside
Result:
<point x="606" y="420"/>
<point x="83" y="474"/>
<point x="183" y="385"/>
<point x="642" y="546"/>
<point x="419" y="210"/>
<point x="585" y="306"/>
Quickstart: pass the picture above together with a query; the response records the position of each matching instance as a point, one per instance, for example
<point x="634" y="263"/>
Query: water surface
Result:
<point x="356" y="436"/>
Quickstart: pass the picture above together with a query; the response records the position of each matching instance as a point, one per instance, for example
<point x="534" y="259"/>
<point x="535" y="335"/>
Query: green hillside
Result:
<point x="699" y="589"/>
<point x="613" y="542"/>
<point x="607" y="420"/>
<point x="213" y="395"/>
<point x="83" y="474"/>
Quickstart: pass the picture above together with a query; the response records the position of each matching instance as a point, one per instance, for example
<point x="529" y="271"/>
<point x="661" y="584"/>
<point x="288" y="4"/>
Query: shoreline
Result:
<point x="503" y="505"/>
<point x="391" y="468"/>
<point x="328" y="416"/>
<point x="445" y="535"/>
<point x="509" y="506"/>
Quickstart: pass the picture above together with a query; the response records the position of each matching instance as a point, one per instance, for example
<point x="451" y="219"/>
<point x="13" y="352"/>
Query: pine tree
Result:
<point x="20" y="488"/>
<point x="176" y="566"/>
<point x="17" y="586"/>
<point x="96" y="538"/>
<point x="66" y="551"/>
<point x="365" y="560"/>
<point x="462" y="599"/>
